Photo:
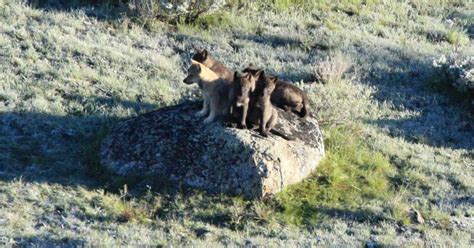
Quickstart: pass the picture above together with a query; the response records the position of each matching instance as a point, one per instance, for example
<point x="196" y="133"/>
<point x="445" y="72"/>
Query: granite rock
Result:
<point x="172" y="144"/>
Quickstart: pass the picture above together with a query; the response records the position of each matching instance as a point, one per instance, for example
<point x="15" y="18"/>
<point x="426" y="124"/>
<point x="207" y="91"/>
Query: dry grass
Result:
<point x="66" y="76"/>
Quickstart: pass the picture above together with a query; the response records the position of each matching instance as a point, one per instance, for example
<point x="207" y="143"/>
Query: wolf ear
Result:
<point x="258" y="73"/>
<point x="261" y="75"/>
<point x="204" y="54"/>
<point x="196" y="67"/>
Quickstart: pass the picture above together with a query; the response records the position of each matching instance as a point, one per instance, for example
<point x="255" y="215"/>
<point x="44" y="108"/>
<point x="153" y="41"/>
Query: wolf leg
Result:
<point x="214" y="104"/>
<point x="205" y="108"/>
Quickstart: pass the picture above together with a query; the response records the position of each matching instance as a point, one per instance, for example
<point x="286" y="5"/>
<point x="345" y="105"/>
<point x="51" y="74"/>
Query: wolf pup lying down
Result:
<point x="214" y="89"/>
<point x="203" y="57"/>
<point x="286" y="96"/>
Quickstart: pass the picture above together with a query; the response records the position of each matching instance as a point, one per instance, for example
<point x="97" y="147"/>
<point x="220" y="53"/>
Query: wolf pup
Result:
<point x="286" y="96"/>
<point x="261" y="110"/>
<point x="239" y="96"/>
<point x="214" y="89"/>
<point x="203" y="57"/>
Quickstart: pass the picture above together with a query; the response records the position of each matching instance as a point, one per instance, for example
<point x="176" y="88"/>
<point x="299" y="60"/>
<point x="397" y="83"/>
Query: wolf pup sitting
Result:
<point x="239" y="96"/>
<point x="261" y="110"/>
<point x="203" y="57"/>
<point x="286" y="96"/>
<point x="214" y="89"/>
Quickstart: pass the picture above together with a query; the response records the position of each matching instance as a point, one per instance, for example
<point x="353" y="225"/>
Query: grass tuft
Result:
<point x="457" y="37"/>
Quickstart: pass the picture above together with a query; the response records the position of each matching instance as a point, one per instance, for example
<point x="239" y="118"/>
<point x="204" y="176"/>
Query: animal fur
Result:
<point x="261" y="110"/>
<point x="214" y="89"/>
<point x="239" y="96"/>
<point x="286" y="96"/>
<point x="203" y="57"/>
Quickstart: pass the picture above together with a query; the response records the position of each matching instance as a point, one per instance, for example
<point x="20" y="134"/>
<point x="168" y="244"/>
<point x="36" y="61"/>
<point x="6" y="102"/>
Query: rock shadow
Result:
<point x="40" y="147"/>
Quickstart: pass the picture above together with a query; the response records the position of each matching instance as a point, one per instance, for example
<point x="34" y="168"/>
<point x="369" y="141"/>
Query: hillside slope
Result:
<point x="67" y="76"/>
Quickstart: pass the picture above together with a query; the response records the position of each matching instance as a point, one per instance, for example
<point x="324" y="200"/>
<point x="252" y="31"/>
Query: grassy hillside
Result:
<point x="399" y="141"/>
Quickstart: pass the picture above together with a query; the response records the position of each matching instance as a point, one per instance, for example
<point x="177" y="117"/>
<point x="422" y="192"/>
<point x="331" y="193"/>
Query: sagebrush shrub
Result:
<point x="332" y="68"/>
<point x="456" y="72"/>
<point x="188" y="10"/>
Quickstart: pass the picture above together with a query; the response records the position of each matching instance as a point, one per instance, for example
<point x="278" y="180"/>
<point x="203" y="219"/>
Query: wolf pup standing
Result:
<point x="214" y="89"/>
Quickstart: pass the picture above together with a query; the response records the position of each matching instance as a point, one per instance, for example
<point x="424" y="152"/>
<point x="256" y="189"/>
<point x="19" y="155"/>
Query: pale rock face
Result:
<point x="173" y="144"/>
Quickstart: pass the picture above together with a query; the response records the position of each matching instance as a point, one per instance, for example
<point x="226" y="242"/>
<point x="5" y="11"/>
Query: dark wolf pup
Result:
<point x="239" y="96"/>
<point x="261" y="110"/>
<point x="286" y="96"/>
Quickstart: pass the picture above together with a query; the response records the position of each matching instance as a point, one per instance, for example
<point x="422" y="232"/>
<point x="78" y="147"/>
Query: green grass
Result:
<point x="350" y="175"/>
<point x="457" y="37"/>
<point x="67" y="76"/>
<point x="214" y="20"/>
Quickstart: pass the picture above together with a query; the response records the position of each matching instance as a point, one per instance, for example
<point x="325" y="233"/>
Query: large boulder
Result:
<point x="172" y="144"/>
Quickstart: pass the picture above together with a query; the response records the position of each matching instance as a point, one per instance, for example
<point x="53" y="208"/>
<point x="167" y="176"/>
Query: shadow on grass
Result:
<point x="309" y="215"/>
<point x="272" y="40"/>
<point x="408" y="82"/>
<point x="48" y="241"/>
<point x="59" y="149"/>
<point x="360" y="215"/>
<point x="432" y="129"/>
<point x="102" y="10"/>
<point x="64" y="150"/>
